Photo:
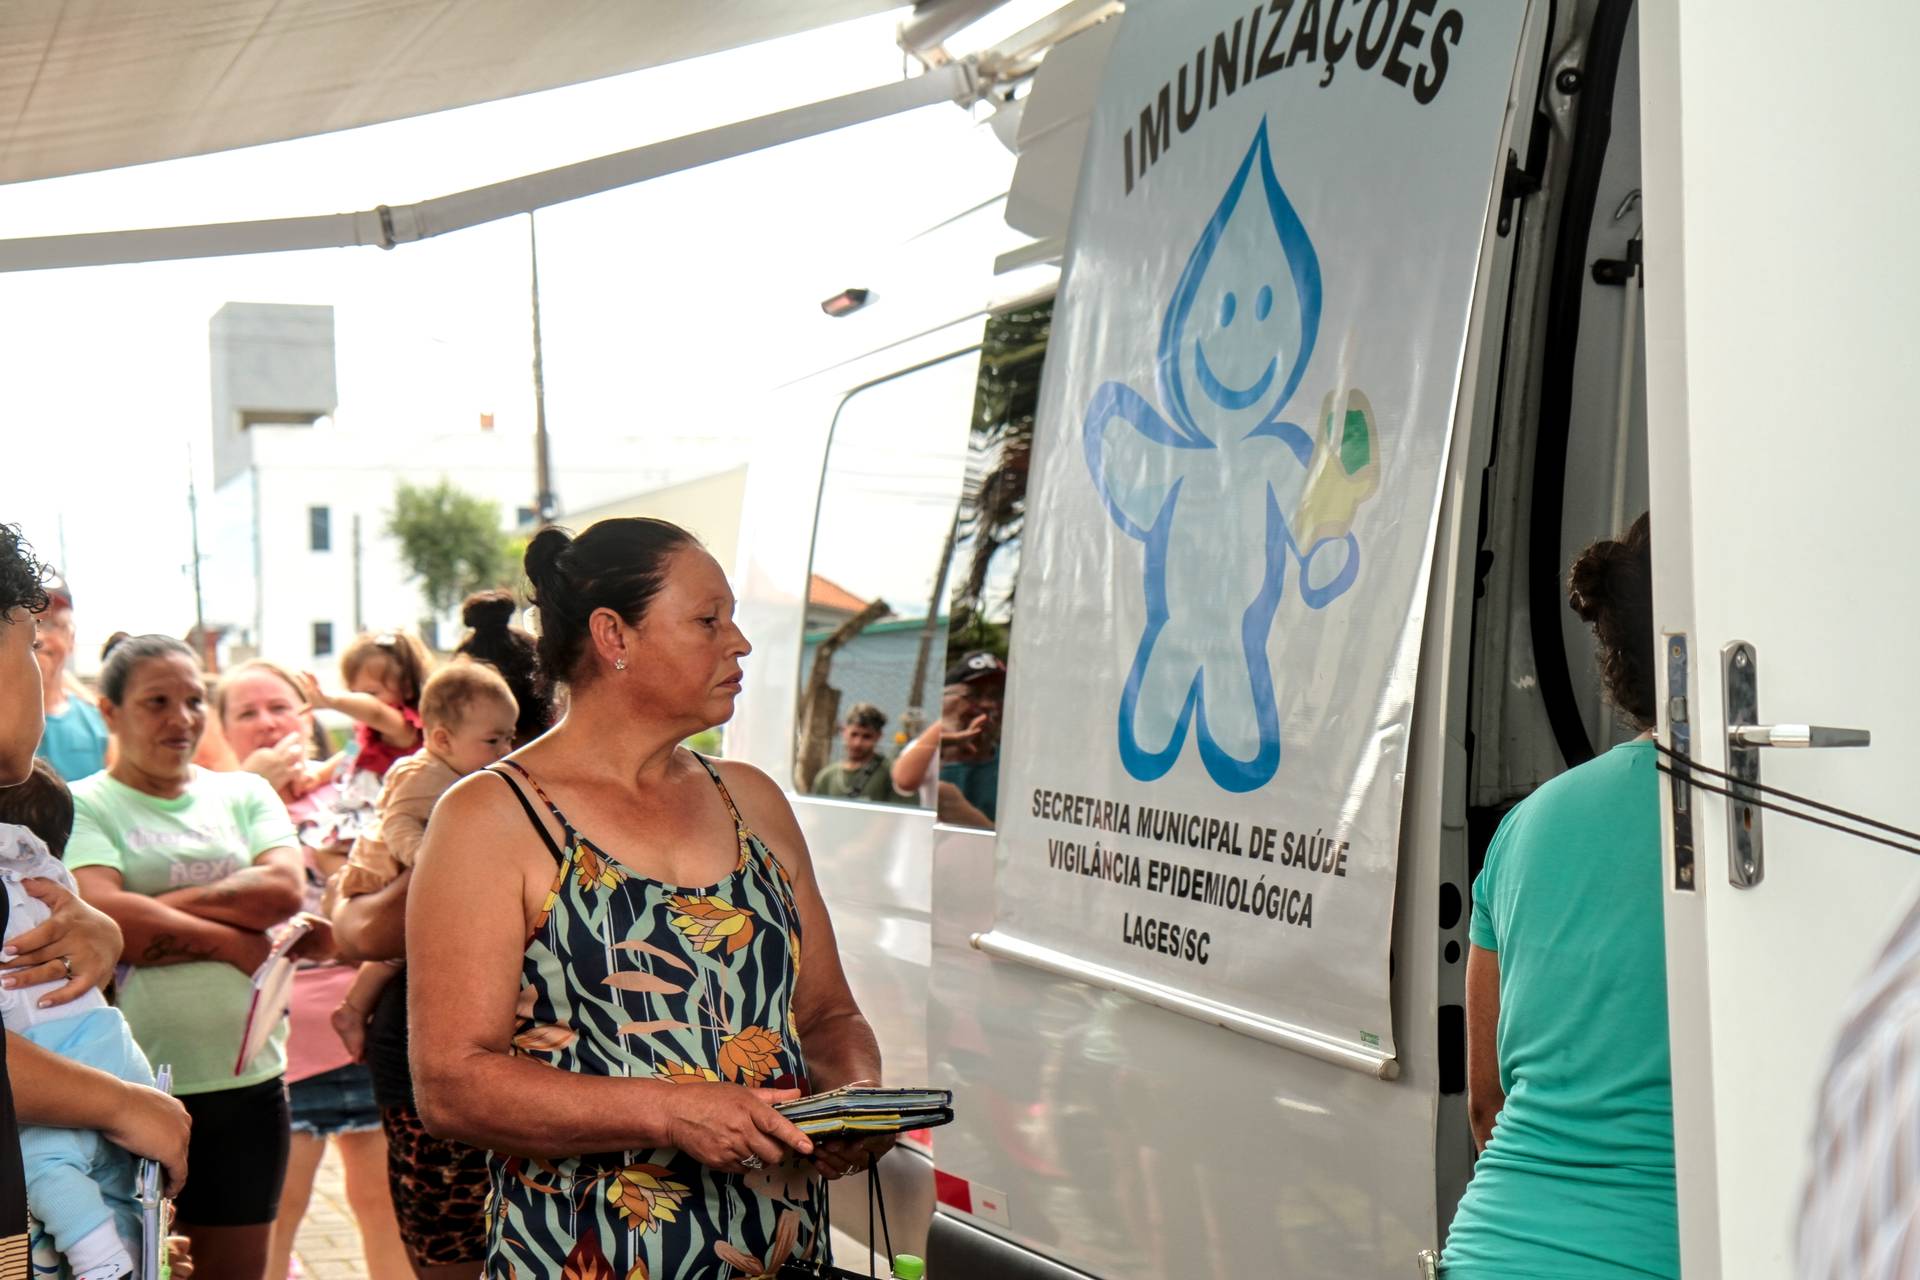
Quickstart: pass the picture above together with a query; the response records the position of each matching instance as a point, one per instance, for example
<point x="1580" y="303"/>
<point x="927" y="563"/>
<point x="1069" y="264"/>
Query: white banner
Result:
<point x="1248" y="402"/>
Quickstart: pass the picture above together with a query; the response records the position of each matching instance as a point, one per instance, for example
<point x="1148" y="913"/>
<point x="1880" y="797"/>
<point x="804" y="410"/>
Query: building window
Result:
<point x="323" y="639"/>
<point x="319" y="529"/>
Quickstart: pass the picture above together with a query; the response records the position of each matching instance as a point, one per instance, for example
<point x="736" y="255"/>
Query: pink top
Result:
<point x="376" y="754"/>
<point x="313" y="1047"/>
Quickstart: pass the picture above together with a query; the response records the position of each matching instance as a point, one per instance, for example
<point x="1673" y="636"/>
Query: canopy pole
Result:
<point x="543" y="498"/>
<point x="387" y="226"/>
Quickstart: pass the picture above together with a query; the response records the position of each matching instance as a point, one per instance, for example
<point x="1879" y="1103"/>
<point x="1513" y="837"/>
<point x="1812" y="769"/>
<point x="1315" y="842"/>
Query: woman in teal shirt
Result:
<point x="1569" y="1083"/>
<point x="75" y="741"/>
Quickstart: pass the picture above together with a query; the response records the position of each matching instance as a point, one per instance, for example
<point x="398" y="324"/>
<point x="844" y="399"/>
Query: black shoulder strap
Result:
<point x="533" y="815"/>
<point x="726" y="795"/>
<point x="857" y="785"/>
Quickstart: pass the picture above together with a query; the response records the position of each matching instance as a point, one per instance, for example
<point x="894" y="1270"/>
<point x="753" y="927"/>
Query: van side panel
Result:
<point x="1136" y="1144"/>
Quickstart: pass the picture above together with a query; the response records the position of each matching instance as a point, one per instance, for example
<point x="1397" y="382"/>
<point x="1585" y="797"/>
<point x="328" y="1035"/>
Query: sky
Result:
<point x="666" y="307"/>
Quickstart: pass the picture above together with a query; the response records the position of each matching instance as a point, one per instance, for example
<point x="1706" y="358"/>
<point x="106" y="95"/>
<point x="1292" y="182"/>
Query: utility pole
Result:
<point x="204" y="641"/>
<point x="542" y="462"/>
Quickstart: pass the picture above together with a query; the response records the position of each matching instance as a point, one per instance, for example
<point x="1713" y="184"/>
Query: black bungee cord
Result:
<point x="1691" y="772"/>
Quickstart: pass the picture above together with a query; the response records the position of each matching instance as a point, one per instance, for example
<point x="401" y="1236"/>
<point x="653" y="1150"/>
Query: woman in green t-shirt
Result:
<point x="1569" y="1079"/>
<point x="195" y="867"/>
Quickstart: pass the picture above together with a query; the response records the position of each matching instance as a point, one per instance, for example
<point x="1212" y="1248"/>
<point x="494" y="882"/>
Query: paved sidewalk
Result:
<point x="328" y="1246"/>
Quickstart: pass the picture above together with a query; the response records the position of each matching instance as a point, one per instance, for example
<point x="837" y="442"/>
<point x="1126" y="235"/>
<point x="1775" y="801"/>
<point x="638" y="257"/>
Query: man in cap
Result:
<point x="75" y="742"/>
<point x="966" y="740"/>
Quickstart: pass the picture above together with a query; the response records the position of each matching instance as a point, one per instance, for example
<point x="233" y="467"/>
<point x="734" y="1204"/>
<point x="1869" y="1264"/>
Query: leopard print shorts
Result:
<point x="440" y="1192"/>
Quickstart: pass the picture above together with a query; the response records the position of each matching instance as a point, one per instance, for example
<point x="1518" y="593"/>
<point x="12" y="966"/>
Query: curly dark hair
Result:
<point x="1611" y="587"/>
<point x="23" y="577"/>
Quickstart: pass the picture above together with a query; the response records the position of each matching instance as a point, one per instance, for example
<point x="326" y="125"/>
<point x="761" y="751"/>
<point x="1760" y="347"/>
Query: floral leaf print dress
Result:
<point x="625" y="976"/>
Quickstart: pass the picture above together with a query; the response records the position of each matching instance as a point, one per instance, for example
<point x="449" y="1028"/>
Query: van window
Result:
<point x="993" y="501"/>
<point x="993" y="511"/>
<point x="883" y="552"/>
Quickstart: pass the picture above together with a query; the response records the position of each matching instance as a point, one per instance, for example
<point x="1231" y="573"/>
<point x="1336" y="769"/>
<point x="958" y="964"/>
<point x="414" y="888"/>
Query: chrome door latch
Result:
<point x="1746" y="862"/>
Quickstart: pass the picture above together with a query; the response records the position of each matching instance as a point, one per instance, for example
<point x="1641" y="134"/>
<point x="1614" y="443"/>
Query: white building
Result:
<point x="295" y="555"/>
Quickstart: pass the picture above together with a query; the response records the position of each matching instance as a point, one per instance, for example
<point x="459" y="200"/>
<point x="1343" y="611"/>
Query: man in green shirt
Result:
<point x="862" y="773"/>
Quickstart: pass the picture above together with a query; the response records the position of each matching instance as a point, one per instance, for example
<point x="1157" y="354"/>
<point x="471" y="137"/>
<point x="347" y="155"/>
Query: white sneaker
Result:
<point x="111" y="1269"/>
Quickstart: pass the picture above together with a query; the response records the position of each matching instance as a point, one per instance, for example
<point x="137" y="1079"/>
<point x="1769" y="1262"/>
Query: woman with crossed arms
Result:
<point x="195" y="867"/>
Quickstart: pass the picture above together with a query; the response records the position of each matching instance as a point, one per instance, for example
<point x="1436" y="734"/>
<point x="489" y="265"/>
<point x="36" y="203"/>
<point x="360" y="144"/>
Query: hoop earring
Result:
<point x="619" y="664"/>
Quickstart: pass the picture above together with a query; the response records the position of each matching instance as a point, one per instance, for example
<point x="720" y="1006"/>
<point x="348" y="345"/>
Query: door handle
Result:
<point x="1746" y="862"/>
<point x="1796" y="735"/>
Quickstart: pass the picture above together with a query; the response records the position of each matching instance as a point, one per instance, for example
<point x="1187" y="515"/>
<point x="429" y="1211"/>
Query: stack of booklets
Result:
<point x="859" y="1110"/>
<point x="149" y="1184"/>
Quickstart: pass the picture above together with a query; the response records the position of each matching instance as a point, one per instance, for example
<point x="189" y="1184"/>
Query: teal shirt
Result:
<point x="979" y="782"/>
<point x="75" y="742"/>
<point x="1577" y="1181"/>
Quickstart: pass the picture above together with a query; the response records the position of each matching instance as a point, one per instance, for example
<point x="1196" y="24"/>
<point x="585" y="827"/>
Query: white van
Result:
<point x="1287" y="1097"/>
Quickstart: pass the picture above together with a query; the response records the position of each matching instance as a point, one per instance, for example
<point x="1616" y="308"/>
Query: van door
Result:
<point x="1265" y="1101"/>
<point x="1781" y="288"/>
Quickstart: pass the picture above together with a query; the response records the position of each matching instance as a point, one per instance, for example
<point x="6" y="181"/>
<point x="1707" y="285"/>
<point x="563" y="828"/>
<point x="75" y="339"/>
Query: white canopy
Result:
<point x="96" y="84"/>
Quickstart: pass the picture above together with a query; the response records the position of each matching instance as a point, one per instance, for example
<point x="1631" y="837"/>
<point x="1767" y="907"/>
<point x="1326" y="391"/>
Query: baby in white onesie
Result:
<point x="80" y="1187"/>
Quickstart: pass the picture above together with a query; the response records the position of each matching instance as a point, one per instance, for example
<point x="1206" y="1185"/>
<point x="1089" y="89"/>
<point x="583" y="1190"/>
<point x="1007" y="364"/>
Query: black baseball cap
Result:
<point x="980" y="665"/>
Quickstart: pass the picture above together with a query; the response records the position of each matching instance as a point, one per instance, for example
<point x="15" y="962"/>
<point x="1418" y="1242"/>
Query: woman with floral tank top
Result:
<point x="606" y="947"/>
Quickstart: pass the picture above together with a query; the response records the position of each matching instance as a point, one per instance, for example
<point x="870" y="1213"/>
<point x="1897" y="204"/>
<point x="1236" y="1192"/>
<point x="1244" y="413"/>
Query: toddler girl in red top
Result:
<point x="384" y="675"/>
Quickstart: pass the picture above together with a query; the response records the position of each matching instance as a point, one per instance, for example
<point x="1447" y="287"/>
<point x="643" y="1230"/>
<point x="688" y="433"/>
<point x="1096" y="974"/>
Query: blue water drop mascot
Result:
<point x="1225" y="492"/>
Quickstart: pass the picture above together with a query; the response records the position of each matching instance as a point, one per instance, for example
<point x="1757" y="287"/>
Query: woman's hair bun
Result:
<point x="488" y="610"/>
<point x="618" y="564"/>
<point x="542" y="562"/>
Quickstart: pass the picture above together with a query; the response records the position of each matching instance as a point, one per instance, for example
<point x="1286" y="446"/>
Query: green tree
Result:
<point x="451" y="541"/>
<point x="993" y="498"/>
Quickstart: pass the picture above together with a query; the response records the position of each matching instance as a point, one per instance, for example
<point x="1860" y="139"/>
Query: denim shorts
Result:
<point x="338" y="1101"/>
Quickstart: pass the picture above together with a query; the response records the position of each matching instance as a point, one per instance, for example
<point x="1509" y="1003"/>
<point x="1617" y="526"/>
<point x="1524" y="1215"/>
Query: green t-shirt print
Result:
<point x="189" y="1015"/>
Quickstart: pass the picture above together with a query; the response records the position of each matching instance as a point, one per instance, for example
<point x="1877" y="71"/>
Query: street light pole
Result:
<point x="542" y="461"/>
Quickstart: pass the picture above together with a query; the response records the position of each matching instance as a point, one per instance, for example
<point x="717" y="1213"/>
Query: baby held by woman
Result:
<point x="468" y="714"/>
<point x="79" y="1186"/>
